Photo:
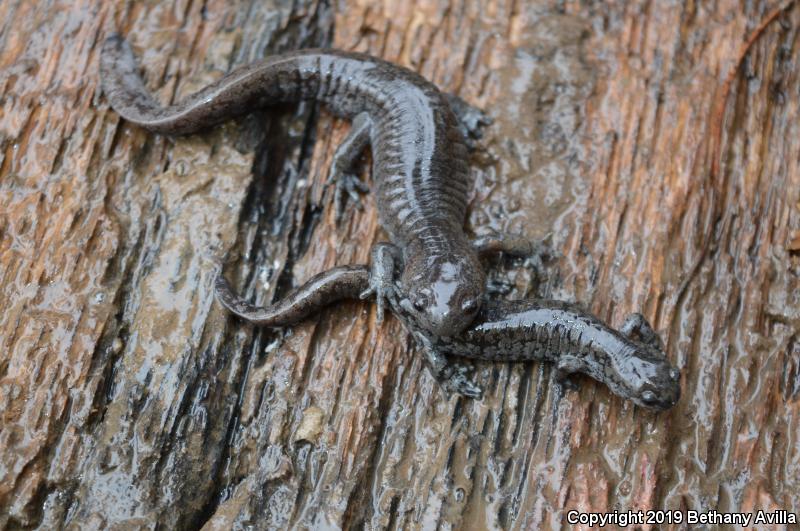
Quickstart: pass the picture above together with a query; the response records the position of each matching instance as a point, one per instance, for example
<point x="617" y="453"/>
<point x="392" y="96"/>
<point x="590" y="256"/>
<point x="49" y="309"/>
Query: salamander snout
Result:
<point x="657" y="385"/>
<point x="444" y="309"/>
<point x="444" y="293"/>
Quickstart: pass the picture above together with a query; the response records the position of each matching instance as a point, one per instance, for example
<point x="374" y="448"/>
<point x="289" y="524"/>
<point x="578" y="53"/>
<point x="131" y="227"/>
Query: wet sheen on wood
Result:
<point x="129" y="396"/>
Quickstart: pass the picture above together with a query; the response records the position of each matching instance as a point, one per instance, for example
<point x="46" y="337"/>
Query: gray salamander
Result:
<point x="631" y="362"/>
<point x="419" y="138"/>
<point x="338" y="283"/>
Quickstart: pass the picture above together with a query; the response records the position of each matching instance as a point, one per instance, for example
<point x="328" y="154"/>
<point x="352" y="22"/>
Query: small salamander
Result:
<point x="419" y="137"/>
<point x="631" y="362"/>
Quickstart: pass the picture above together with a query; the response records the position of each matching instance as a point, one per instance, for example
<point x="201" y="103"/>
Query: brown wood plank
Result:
<point x="128" y="397"/>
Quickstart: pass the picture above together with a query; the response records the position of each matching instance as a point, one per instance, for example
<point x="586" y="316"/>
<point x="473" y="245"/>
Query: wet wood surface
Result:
<point x="129" y="399"/>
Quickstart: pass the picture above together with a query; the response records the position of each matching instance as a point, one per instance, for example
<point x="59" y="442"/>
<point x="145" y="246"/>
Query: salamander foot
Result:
<point x="540" y="252"/>
<point x="565" y="368"/>
<point x="452" y="376"/>
<point x="637" y="327"/>
<point x="348" y="185"/>
<point x="532" y="254"/>
<point x="382" y="275"/>
<point x="499" y="286"/>
<point x="344" y="160"/>
<point x="471" y="119"/>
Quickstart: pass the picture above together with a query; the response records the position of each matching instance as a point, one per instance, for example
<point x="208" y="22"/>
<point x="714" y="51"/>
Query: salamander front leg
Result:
<point x="344" y="159"/>
<point x="534" y="253"/>
<point x="471" y="119"/>
<point x="567" y="366"/>
<point x="451" y="375"/>
<point x="636" y="326"/>
<point x="510" y="244"/>
<point x="498" y="286"/>
<point x="385" y="258"/>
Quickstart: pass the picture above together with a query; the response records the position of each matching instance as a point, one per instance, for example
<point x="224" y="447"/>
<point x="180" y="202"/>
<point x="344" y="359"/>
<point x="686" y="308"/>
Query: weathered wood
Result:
<point x="129" y="398"/>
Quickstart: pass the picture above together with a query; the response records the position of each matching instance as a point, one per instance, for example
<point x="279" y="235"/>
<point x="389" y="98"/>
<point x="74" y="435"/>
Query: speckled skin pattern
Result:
<point x="419" y="149"/>
<point x="544" y="330"/>
<point x="343" y="282"/>
<point x="576" y="341"/>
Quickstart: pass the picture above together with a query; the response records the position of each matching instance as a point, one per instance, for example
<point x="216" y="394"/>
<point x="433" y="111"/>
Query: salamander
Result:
<point x="419" y="138"/>
<point x="630" y="361"/>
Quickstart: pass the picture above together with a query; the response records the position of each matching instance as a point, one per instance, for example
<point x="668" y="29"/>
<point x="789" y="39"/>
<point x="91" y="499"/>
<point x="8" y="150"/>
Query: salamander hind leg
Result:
<point x="342" y="174"/>
<point x="471" y="119"/>
<point x="636" y="326"/>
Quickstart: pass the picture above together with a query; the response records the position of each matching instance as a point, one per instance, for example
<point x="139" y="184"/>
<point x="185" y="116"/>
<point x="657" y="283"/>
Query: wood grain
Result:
<point x="128" y="398"/>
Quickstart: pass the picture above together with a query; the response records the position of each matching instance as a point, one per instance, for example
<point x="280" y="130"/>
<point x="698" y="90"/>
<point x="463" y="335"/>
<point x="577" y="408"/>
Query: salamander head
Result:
<point x="646" y="377"/>
<point x="444" y="293"/>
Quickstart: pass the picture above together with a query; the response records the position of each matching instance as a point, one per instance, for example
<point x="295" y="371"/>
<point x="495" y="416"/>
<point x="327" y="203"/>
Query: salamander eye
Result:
<point x="469" y="305"/>
<point x="420" y="302"/>
<point x="649" y="397"/>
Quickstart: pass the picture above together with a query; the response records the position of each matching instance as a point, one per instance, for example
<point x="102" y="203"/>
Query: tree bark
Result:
<point x="656" y="145"/>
